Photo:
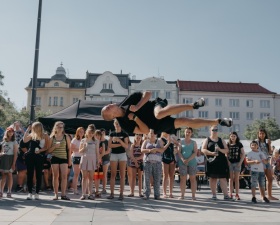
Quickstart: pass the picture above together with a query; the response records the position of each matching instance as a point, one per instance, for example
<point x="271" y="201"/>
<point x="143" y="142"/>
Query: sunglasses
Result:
<point x="215" y="130"/>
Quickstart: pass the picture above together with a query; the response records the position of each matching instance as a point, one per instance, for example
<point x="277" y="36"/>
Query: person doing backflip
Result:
<point x="138" y="114"/>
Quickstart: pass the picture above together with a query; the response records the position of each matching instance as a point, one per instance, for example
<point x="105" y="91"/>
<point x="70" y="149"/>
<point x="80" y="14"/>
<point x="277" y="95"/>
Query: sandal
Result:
<point x="110" y="196"/>
<point x="9" y="195"/>
<point x="171" y="196"/>
<point x="130" y="195"/>
<point x="141" y="196"/>
<point x="91" y="197"/>
<point x="83" y="197"/>
<point x="55" y="198"/>
<point x="121" y="197"/>
<point x="65" y="198"/>
<point x="97" y="195"/>
<point x="1" y="194"/>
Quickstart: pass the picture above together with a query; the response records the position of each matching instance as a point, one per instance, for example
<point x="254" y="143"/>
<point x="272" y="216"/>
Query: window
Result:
<point x="249" y="115"/>
<point x="235" y="127"/>
<point x="111" y="86"/>
<point x="218" y="102"/>
<point x="155" y="94"/>
<point x="218" y="114"/>
<point x="187" y="100"/>
<point x="38" y="101"/>
<point x="55" y="101"/>
<point x="265" y="115"/>
<point x="203" y="114"/>
<point x="104" y="86"/>
<point x="189" y="114"/>
<point x="234" y="102"/>
<point x="265" y="104"/>
<point x="56" y="84"/>
<point x="206" y="101"/>
<point x="61" y="101"/>
<point x="50" y="101"/>
<point x="249" y="103"/>
<point x="167" y="95"/>
<point x="234" y="115"/>
<point x="75" y="100"/>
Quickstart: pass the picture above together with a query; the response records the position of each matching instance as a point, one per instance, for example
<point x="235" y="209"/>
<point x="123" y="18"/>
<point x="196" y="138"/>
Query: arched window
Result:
<point x="56" y="84"/>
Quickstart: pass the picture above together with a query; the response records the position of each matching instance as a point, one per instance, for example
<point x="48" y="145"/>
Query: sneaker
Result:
<point x="199" y="103"/>
<point x="214" y="197"/>
<point x="254" y="200"/>
<point x="227" y="197"/>
<point x="36" y="197"/>
<point x="227" y="122"/>
<point x="237" y="197"/>
<point x="19" y="189"/>
<point x="265" y="200"/>
<point x="29" y="196"/>
<point x="104" y="191"/>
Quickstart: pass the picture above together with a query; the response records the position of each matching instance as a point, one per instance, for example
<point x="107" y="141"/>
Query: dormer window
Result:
<point x="56" y="84"/>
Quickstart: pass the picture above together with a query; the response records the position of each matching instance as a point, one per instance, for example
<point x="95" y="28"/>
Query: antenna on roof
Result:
<point x="68" y="73"/>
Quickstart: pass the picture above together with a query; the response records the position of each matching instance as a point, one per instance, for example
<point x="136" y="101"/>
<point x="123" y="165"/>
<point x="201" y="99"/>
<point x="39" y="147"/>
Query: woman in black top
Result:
<point x="215" y="150"/>
<point x="118" y="142"/>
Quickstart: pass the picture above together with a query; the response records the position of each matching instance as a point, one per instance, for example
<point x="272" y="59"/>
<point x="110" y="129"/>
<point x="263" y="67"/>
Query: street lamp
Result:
<point x="35" y="69"/>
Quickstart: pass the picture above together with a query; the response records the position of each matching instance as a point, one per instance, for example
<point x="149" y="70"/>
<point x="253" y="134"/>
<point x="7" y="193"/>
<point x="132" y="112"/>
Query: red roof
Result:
<point x="221" y="87"/>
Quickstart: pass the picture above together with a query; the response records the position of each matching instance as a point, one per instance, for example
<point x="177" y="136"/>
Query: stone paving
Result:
<point x="130" y="211"/>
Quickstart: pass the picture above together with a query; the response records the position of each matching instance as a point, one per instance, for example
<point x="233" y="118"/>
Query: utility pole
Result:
<point x="35" y="69"/>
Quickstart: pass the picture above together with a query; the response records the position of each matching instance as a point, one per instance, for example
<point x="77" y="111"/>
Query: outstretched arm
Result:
<point x="145" y="98"/>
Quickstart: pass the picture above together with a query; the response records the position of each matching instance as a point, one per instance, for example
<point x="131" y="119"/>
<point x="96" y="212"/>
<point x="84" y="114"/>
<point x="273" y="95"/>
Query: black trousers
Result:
<point x="34" y="162"/>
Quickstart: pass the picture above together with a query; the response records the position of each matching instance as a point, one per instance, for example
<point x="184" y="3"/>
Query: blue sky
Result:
<point x="203" y="40"/>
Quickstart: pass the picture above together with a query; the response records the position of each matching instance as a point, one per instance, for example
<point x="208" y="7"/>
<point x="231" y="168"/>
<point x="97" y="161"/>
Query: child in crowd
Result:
<point x="98" y="173"/>
<point x="89" y="148"/>
<point x="256" y="159"/>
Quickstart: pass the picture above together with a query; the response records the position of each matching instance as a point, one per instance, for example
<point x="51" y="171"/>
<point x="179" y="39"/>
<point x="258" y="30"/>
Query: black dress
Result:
<point x="219" y="167"/>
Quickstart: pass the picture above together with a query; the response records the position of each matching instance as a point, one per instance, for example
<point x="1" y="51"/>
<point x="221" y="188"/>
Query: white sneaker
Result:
<point x="29" y="196"/>
<point x="36" y="197"/>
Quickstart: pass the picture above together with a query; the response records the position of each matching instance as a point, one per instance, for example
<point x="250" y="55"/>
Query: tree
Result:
<point x="270" y="125"/>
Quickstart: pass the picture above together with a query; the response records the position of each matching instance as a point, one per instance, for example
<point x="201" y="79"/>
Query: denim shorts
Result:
<point x="118" y="157"/>
<point x="233" y="167"/>
<point x="267" y="166"/>
<point x="257" y="178"/>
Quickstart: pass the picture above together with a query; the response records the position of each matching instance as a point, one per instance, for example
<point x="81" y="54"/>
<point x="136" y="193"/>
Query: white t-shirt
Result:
<point x="77" y="144"/>
<point x="256" y="156"/>
<point x="8" y="147"/>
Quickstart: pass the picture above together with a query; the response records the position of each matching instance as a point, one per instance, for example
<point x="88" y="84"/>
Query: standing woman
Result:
<point x="153" y="149"/>
<point x="168" y="166"/>
<point x="76" y="156"/>
<point x="118" y="142"/>
<point x="89" y="148"/>
<point x="187" y="163"/>
<point x="34" y="157"/>
<point x="61" y="159"/>
<point x="8" y="157"/>
<point x="215" y="150"/>
<point x="265" y="146"/>
<point x="236" y="156"/>
<point x="136" y="165"/>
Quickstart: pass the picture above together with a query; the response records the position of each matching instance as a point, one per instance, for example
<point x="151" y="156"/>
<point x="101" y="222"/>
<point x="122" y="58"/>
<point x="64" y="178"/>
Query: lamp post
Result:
<point x="35" y="69"/>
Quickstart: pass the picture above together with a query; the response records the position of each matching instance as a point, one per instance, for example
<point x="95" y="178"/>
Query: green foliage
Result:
<point x="9" y="114"/>
<point x="270" y="125"/>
